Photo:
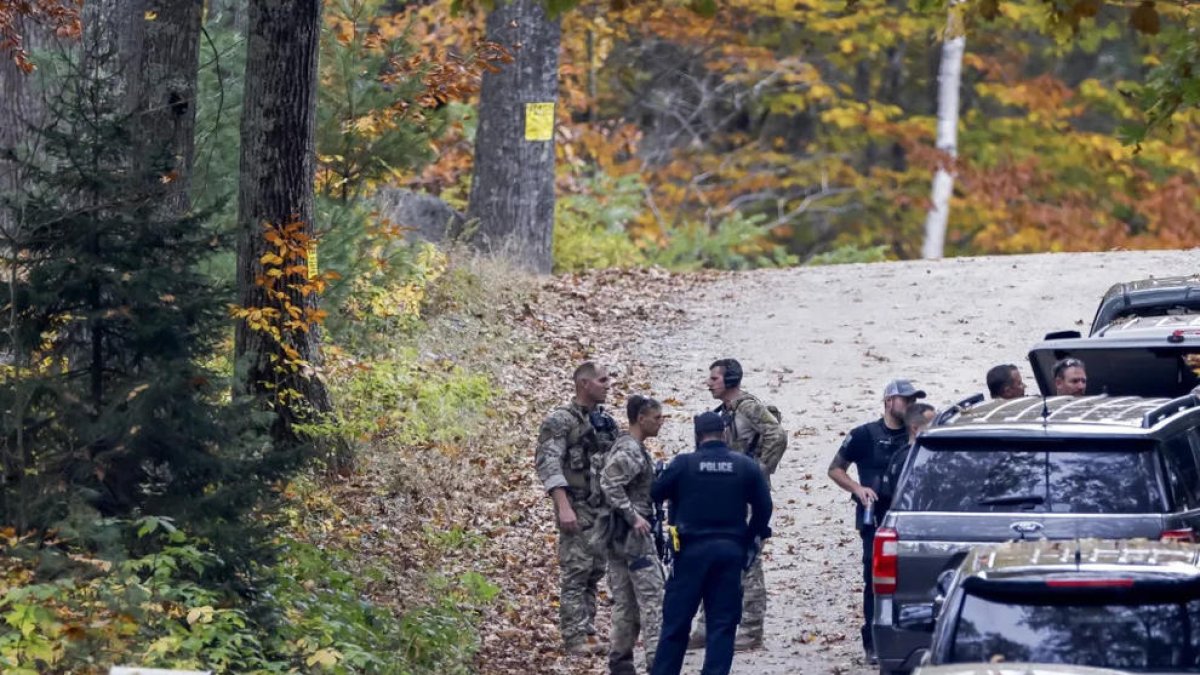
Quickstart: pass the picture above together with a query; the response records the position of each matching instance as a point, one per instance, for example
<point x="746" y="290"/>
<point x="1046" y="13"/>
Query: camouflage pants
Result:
<point x="754" y="599"/>
<point x="581" y="567"/>
<point x="636" y="580"/>
<point x="754" y="602"/>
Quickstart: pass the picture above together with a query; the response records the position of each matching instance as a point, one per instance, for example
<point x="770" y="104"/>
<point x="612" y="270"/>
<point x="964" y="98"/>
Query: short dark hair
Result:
<point x="1069" y="362"/>
<point x="638" y="404"/>
<point x="586" y="371"/>
<point x="1000" y="377"/>
<point x="916" y="413"/>
<point x="731" y="370"/>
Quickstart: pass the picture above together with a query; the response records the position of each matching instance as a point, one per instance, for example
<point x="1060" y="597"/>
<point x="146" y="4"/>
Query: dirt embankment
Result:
<point x="820" y="343"/>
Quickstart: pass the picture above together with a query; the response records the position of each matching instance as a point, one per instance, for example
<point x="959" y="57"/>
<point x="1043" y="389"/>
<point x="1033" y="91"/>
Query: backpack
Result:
<point x="730" y="416"/>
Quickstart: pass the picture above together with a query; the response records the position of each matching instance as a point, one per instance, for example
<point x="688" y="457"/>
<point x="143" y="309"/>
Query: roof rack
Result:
<point x="1169" y="408"/>
<point x="953" y="410"/>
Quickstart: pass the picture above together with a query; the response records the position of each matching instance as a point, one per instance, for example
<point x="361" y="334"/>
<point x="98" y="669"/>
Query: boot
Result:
<point x="747" y="641"/>
<point x="588" y="646"/>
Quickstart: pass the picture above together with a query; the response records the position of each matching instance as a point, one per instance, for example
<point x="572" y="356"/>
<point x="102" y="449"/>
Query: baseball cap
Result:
<point x="708" y="423"/>
<point x="902" y="388"/>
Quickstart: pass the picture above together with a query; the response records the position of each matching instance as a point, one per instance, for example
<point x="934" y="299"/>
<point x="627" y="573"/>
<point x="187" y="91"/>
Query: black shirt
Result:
<point x="870" y="447"/>
<point x="709" y="491"/>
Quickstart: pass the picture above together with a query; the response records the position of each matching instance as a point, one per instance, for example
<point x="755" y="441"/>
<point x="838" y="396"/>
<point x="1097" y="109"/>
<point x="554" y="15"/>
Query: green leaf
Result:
<point x="705" y="8"/>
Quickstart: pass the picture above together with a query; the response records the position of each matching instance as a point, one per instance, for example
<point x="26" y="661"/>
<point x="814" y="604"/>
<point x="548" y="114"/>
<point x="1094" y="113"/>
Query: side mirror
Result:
<point x="943" y="583"/>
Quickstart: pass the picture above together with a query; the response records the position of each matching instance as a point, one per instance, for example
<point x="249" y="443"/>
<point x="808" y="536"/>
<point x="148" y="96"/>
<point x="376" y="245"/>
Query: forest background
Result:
<point x="222" y="450"/>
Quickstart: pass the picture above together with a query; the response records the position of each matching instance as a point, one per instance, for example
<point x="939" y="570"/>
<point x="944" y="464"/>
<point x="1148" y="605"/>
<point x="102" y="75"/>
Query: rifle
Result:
<point x="662" y="544"/>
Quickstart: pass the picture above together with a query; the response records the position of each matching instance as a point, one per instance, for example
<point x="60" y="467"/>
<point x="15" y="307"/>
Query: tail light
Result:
<point x="1185" y="534"/>
<point x="884" y="556"/>
<point x="1089" y="583"/>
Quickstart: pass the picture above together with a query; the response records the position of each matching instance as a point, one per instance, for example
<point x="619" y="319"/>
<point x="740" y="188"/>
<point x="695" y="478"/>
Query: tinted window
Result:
<point x="1183" y="474"/>
<point x="1046" y="477"/>
<point x="1135" y="637"/>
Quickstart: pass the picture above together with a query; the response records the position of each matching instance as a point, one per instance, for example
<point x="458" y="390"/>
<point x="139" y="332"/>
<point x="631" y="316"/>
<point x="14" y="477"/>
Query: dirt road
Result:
<point x="820" y="343"/>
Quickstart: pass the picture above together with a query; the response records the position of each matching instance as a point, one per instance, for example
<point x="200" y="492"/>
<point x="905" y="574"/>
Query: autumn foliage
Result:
<point x="815" y="119"/>
<point x="61" y="17"/>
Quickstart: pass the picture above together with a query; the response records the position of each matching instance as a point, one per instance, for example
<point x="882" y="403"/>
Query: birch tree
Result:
<point x="949" y="81"/>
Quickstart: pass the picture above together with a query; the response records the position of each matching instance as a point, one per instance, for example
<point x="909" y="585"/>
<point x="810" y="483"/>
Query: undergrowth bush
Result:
<point x="850" y="254"/>
<point x="590" y="232"/>
<point x="589" y="227"/>
<point x="149" y="611"/>
<point x="399" y="399"/>
<point x="737" y="241"/>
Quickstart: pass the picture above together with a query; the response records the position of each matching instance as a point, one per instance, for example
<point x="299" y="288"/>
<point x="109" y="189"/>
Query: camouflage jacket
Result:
<point x="571" y="449"/>
<point x="626" y="479"/>
<point x="754" y="427"/>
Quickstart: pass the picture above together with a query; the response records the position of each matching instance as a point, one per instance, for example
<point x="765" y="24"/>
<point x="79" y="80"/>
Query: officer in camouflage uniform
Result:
<point x="571" y="447"/>
<point x="634" y="574"/>
<point x="754" y="430"/>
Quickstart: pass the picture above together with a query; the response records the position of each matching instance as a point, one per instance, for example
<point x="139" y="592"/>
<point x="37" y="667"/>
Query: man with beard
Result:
<point x="870" y="447"/>
<point x="753" y="430"/>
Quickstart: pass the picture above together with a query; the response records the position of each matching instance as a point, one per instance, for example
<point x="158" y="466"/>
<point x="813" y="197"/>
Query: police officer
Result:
<point x="571" y="446"/>
<point x="709" y="491"/>
<point x="870" y="447"/>
<point x="634" y="574"/>
<point x="754" y="430"/>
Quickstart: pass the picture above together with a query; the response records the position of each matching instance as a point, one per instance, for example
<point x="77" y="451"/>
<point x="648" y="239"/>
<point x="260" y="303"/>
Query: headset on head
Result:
<point x="731" y="373"/>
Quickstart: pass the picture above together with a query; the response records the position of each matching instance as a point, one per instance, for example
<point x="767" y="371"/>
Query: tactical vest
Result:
<point x="588" y="441"/>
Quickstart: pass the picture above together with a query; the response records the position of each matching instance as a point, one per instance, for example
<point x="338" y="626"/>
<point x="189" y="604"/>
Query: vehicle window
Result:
<point x="1183" y="473"/>
<point x="1127" y="371"/>
<point x="1027" y="477"/>
<point x="1133" y="637"/>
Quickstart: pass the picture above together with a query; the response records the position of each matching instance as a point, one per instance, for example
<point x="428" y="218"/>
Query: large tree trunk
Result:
<point x="21" y="113"/>
<point x="166" y="97"/>
<point x="949" y="80"/>
<point x="276" y="187"/>
<point x="512" y="192"/>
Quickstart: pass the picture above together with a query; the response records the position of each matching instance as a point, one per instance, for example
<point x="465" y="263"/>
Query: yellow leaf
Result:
<point x="150" y="16"/>
<point x="200" y="615"/>
<point x="324" y="657"/>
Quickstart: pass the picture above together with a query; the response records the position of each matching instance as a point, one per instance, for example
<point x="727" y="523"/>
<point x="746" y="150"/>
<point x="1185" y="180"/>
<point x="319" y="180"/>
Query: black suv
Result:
<point x="1029" y="468"/>
<point x="1131" y="605"/>
<point x="1144" y="341"/>
<point x="1148" y="298"/>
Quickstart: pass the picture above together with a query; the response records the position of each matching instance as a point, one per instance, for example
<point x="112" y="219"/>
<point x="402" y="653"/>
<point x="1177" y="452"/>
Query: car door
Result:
<point x="1181" y="454"/>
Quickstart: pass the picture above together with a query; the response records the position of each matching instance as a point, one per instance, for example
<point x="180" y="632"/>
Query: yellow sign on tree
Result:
<point x="539" y="121"/>
<point x="312" y="260"/>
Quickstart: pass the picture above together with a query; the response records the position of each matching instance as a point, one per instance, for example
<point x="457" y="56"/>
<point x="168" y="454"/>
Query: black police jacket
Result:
<point x="710" y="491"/>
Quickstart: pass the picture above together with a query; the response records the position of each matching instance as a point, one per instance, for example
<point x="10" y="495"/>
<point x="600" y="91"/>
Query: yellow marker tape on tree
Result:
<point x="539" y="121"/>
<point x="312" y="260"/>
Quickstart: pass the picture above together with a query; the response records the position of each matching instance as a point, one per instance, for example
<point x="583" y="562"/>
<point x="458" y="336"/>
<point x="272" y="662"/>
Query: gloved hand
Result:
<point x="752" y="551"/>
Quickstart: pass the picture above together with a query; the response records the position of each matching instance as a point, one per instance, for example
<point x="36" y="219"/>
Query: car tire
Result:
<point x="889" y="671"/>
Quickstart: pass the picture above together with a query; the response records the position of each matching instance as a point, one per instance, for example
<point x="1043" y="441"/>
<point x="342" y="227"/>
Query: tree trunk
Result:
<point x="512" y="191"/>
<point x="276" y="187"/>
<point x="949" y="80"/>
<point x="21" y="113"/>
<point x="166" y="97"/>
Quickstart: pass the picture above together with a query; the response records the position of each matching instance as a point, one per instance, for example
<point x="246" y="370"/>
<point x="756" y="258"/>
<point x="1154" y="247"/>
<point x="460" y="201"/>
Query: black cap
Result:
<point x="708" y="423"/>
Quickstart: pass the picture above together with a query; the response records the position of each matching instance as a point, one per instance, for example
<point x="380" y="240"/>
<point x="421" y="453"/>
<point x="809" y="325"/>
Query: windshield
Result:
<point x="1133" y="637"/>
<point x="1038" y="477"/>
